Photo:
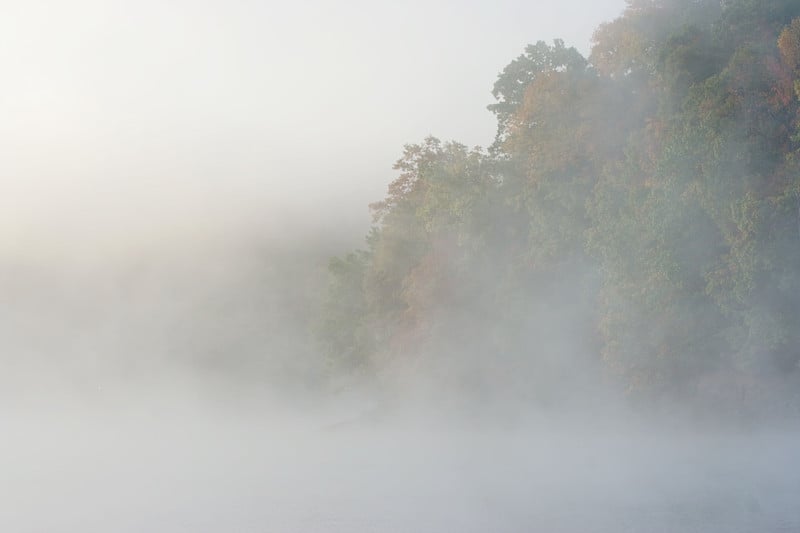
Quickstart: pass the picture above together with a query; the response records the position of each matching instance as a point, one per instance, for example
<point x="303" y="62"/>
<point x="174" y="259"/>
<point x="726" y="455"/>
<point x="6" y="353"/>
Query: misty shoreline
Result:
<point x="592" y="324"/>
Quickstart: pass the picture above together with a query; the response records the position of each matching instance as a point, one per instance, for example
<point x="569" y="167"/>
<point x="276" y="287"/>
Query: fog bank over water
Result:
<point x="170" y="469"/>
<point x="588" y="328"/>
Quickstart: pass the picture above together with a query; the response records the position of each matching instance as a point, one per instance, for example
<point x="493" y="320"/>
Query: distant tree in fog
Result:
<point x="638" y="207"/>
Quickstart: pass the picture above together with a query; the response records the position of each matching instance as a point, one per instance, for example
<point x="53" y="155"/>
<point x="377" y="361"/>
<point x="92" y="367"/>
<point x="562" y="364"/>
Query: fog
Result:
<point x="171" y="469"/>
<point x="181" y="119"/>
<point x="174" y="180"/>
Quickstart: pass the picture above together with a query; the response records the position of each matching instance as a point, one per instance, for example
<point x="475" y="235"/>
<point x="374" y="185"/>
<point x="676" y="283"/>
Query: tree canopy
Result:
<point x="638" y="217"/>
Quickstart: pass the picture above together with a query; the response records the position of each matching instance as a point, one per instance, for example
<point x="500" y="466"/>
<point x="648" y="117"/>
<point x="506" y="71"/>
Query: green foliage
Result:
<point x="640" y="207"/>
<point x="538" y="60"/>
<point x="345" y="331"/>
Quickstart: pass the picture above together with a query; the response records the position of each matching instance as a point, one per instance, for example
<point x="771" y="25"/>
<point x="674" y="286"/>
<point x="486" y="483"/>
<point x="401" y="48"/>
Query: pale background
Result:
<point x="139" y="123"/>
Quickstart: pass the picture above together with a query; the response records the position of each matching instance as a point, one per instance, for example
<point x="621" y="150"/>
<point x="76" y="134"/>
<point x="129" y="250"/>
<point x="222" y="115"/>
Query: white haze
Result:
<point x="164" y="168"/>
<point x="167" y="469"/>
<point x="131" y="122"/>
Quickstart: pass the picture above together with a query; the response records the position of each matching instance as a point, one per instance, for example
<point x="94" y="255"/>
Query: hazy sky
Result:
<point x="140" y="121"/>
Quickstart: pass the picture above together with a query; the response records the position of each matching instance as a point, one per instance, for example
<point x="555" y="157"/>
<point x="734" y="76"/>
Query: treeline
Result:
<point x="636" y="222"/>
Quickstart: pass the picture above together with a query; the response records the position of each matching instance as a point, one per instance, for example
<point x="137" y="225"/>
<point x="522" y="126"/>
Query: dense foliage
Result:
<point x="636" y="220"/>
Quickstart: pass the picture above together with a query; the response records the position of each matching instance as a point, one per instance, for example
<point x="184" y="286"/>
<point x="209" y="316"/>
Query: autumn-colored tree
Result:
<point x="638" y="208"/>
